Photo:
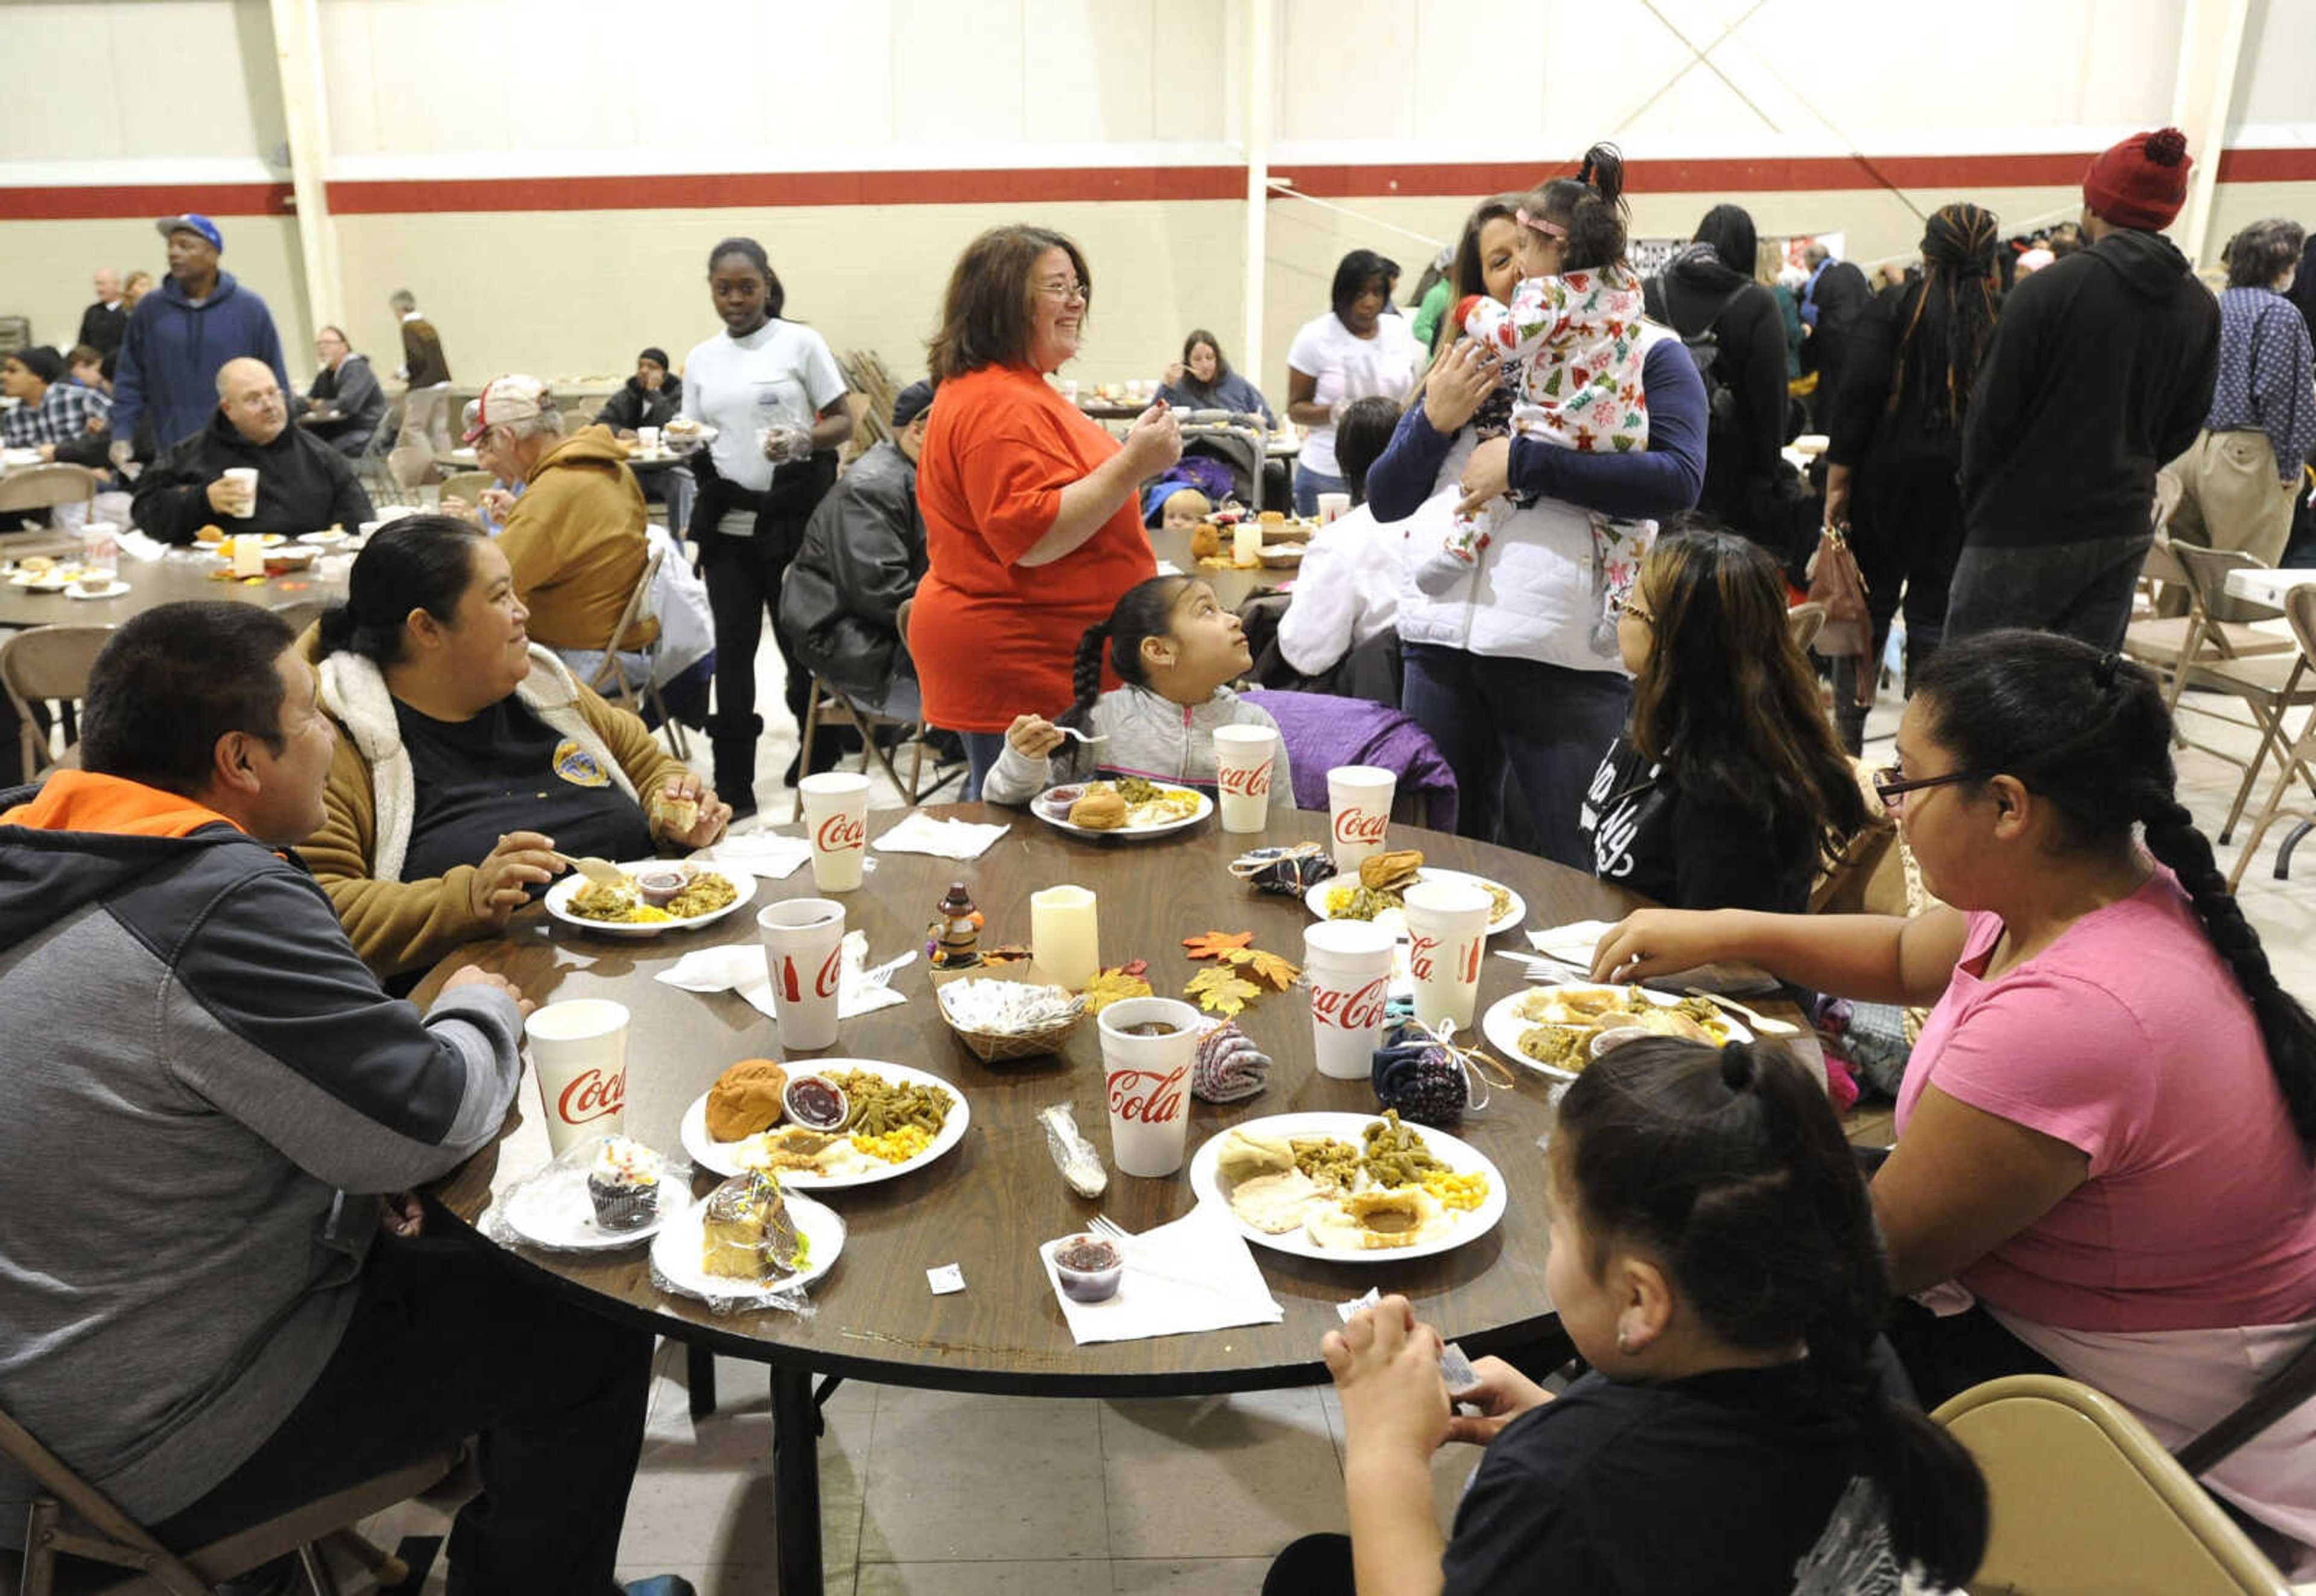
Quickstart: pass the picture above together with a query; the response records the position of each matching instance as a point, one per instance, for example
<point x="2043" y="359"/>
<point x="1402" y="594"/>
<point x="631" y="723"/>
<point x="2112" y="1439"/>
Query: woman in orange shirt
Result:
<point x="1032" y="526"/>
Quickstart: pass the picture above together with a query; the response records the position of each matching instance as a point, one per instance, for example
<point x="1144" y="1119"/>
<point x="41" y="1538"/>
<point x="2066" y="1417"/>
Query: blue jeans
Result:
<point x="981" y="751"/>
<point x="1545" y="725"/>
<point x="2082" y="590"/>
<point x="1309" y="484"/>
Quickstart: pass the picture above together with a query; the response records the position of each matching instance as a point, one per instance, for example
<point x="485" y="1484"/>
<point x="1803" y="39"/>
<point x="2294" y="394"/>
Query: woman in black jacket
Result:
<point x="1895" y="439"/>
<point x="1736" y="334"/>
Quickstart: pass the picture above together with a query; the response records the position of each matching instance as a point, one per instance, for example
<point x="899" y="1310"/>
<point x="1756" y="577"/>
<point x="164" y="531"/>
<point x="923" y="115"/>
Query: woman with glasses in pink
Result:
<point x="2105" y="1129"/>
<point x="1033" y="529"/>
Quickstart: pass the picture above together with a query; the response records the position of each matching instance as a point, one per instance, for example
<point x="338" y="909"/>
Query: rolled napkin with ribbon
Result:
<point x="1228" y="1066"/>
<point x="1290" y="872"/>
<point x="1431" y="1080"/>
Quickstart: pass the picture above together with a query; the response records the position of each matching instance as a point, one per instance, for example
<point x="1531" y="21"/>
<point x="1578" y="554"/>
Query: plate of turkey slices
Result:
<point x="1557" y="1030"/>
<point x="1349" y="1188"/>
<point x="1372" y="892"/>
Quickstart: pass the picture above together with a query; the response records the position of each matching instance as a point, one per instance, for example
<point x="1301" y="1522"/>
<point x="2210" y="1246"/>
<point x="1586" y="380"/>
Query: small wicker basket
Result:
<point x="998" y="1047"/>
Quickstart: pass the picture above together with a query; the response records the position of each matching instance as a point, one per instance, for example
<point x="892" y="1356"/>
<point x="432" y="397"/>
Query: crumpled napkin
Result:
<point x="767" y="854"/>
<point x="1576" y="940"/>
<point x="739" y="967"/>
<point x="137" y="545"/>
<point x="1194" y="1274"/>
<point x="949" y="838"/>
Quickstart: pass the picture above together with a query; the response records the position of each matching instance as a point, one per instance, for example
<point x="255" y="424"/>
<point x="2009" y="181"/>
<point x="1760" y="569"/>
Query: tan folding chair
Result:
<point x="2085" y="1502"/>
<point x="1805" y="621"/>
<point x="45" y="487"/>
<point x="2275" y="680"/>
<point x="827" y="701"/>
<point x="612" y="682"/>
<point x="2166" y="644"/>
<point x="2298" y="759"/>
<point x="72" y="1520"/>
<point x="47" y="665"/>
<point x="467" y="485"/>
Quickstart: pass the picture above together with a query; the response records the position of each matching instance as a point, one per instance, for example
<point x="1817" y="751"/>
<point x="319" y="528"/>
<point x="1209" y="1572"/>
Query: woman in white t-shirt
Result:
<point x="772" y="391"/>
<point x="1361" y="348"/>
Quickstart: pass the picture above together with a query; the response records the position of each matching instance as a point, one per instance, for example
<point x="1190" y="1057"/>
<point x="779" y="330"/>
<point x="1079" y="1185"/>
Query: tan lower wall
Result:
<point x="45" y="269"/>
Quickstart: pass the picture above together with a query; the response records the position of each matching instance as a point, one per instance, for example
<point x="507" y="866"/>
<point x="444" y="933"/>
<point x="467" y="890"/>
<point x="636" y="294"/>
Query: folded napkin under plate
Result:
<point x="739" y="967"/>
<point x="1197" y="1273"/>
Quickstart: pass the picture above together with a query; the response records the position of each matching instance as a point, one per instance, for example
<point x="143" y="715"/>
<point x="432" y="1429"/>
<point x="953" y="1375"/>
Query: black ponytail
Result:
<point x="420" y="561"/>
<point x="1727" y="1167"/>
<point x="2088" y="733"/>
<point x="1590" y="207"/>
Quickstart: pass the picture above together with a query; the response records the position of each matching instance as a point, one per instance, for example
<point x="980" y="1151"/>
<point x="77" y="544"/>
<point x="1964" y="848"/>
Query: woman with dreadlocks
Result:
<point x="1895" y="432"/>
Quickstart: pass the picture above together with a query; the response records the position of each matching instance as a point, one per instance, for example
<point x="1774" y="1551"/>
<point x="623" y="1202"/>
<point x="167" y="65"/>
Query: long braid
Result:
<point x="1085" y="675"/>
<point x="1943" y="347"/>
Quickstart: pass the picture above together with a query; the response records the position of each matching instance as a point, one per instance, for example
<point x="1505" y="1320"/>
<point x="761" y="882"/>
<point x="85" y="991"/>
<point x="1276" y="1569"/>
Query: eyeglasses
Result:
<point x="1890" y="783"/>
<point x="1063" y="291"/>
<point x="1631" y="608"/>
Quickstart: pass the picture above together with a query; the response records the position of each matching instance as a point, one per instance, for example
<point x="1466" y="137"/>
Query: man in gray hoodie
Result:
<point x="208" y="1094"/>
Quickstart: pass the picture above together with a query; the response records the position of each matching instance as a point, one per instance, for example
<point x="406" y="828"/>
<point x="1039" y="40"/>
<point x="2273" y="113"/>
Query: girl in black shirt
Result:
<point x="1727" y="788"/>
<point x="1714" y="1258"/>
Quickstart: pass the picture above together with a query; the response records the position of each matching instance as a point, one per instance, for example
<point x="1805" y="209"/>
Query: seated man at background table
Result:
<point x="52" y="415"/>
<point x="345" y="404"/>
<point x="199" y="1312"/>
<point x="303" y="484"/>
<point x="575" y="538"/>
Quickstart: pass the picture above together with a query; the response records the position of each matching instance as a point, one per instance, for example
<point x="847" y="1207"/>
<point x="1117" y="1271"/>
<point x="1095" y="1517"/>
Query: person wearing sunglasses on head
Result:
<point x="2105" y="1129"/>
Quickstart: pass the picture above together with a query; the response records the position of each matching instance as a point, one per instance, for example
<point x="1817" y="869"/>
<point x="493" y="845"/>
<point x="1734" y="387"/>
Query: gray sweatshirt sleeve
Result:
<point x="274" y="1021"/>
<point x="1016" y="779"/>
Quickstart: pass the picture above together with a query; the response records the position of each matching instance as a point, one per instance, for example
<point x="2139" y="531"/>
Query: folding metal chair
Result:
<point x="42" y="666"/>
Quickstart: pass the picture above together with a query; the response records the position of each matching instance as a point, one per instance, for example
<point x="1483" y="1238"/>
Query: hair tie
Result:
<point x="1537" y="223"/>
<point x="1736" y="1067"/>
<point x="2104" y="669"/>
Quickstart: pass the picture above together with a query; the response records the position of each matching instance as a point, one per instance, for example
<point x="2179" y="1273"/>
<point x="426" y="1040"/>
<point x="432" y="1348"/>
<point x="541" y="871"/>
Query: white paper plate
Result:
<point x="1053" y="807"/>
<point x="555" y="1211"/>
<point x="1395" y="920"/>
<point x="675" y="1253"/>
<point x="1503" y="1026"/>
<point x="559" y="895"/>
<point x="210" y="546"/>
<point x="722" y="1157"/>
<point x="1458" y="1155"/>
<point x="326" y="540"/>
<point x="112" y="590"/>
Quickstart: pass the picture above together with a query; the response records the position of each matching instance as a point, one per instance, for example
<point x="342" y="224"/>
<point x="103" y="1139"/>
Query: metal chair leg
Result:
<point x="317" y="1570"/>
<point x="811" y="730"/>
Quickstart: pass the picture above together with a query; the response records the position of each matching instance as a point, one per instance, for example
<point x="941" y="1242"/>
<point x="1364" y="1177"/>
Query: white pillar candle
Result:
<point x="1064" y="936"/>
<point x="1246" y="544"/>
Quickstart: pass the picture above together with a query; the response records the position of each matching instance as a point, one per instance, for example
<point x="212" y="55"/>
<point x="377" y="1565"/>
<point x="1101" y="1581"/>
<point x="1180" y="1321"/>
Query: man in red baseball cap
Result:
<point x="2101" y="370"/>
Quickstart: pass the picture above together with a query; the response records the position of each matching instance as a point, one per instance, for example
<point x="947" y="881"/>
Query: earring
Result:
<point x="1625" y="1341"/>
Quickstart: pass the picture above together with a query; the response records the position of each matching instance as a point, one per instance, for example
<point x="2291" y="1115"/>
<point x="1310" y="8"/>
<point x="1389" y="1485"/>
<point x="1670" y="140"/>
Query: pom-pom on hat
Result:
<point x="2140" y="182"/>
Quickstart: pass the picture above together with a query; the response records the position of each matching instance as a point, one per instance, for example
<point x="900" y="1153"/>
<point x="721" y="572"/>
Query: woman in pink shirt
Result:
<point x="2105" y="1129"/>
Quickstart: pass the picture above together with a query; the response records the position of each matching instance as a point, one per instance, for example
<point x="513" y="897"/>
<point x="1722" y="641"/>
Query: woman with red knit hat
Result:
<point x="2101" y="370"/>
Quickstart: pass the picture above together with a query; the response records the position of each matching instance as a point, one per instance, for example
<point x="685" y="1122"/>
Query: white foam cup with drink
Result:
<point x="1447" y="935"/>
<point x="836" y="818"/>
<point x="647" y="439"/>
<point x="803" y="954"/>
<point x="244" y="480"/>
<point x="1358" y="812"/>
<point x="1245" y="758"/>
<point x="100" y="549"/>
<point x="579" y="1051"/>
<point x="1333" y="507"/>
<point x="1147" y="1044"/>
<point x="1347" y="963"/>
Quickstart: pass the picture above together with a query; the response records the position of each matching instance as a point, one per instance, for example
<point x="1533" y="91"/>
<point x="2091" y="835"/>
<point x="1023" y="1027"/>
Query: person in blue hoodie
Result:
<point x="181" y="335"/>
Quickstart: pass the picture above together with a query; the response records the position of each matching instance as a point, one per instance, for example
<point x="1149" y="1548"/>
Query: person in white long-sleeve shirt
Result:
<point x="1346" y="593"/>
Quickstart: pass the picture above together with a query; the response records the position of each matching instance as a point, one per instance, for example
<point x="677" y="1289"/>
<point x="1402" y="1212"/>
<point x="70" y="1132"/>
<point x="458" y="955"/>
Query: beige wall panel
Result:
<point x="45" y="267"/>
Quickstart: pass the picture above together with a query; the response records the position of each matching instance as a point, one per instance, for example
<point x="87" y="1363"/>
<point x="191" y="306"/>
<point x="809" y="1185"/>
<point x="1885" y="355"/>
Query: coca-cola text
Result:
<point x="823" y="985"/>
<point x="590" y="1096"/>
<point x="1248" y="781"/>
<point x="1358" y="825"/>
<point x="1421" y="951"/>
<point x="1348" y="1009"/>
<point x="1146" y="1095"/>
<point x="840" y="831"/>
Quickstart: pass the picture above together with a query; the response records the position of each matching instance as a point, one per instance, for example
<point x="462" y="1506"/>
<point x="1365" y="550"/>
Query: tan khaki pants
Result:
<point x="2234" y="499"/>
<point x="424" y="438"/>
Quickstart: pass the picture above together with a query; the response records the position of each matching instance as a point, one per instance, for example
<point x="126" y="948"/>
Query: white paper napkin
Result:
<point x="951" y="838"/>
<point x="767" y="854"/>
<point x="739" y="967"/>
<point x="1577" y="940"/>
<point x="1197" y="1273"/>
<point x="137" y="545"/>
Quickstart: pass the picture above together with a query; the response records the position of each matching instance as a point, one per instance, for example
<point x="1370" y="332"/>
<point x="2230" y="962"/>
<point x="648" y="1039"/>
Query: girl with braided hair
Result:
<point x="2106" y="1129"/>
<point x="1176" y="651"/>
<point x="1715" y="1261"/>
<point x="1894" y="441"/>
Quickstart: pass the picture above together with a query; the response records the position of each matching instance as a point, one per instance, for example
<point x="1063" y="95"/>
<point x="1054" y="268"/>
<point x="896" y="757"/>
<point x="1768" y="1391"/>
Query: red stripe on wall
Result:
<point x="1806" y="173"/>
<point x="64" y="204"/>
<point x="2267" y="166"/>
<point x="772" y="190"/>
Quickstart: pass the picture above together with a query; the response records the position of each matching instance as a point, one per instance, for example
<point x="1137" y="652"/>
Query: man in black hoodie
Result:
<point x="2101" y="369"/>
<point x="303" y="484"/>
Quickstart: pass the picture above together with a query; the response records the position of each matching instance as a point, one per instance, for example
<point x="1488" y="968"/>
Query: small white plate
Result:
<point x="112" y="590"/>
<point x="722" y="1156"/>
<point x="555" y="1211"/>
<point x="675" y="1253"/>
<point x="210" y="546"/>
<point x="1503" y="1025"/>
<point x="324" y="540"/>
<point x="1458" y="1155"/>
<point x="1395" y="920"/>
<point x="1053" y="807"/>
<point x="559" y="895"/>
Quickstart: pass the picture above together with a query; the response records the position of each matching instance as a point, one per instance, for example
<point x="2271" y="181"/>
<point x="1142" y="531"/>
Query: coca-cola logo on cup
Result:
<point x="1353" y="824"/>
<point x="1147" y="1097"/>
<point x="823" y="985"/>
<point x="1248" y="781"/>
<point x="1421" y="951"/>
<point x="1348" y="1009"/>
<point x="840" y="831"/>
<point x="590" y="1096"/>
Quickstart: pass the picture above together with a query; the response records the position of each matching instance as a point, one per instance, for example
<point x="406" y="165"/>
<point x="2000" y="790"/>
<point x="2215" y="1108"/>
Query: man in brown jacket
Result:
<point x="575" y="538"/>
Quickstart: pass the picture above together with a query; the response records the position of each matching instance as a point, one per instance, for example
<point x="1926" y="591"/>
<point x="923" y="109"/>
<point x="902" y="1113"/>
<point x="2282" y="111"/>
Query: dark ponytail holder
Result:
<point x="1738" y="1069"/>
<point x="2104" y="669"/>
<point x="1584" y="172"/>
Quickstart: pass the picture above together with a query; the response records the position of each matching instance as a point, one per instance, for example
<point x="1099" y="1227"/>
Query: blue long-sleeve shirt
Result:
<point x="170" y="356"/>
<point x="1650" y="484"/>
<point x="2265" y="383"/>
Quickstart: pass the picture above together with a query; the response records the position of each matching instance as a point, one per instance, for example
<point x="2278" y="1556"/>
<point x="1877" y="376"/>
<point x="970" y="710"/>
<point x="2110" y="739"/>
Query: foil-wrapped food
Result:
<point x="1290" y="872"/>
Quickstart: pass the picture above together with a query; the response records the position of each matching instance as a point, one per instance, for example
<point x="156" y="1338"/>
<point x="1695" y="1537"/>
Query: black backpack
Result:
<point x="1704" y="346"/>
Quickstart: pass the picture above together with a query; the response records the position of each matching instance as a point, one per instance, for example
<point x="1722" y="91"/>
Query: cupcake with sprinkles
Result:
<point x="623" y="1184"/>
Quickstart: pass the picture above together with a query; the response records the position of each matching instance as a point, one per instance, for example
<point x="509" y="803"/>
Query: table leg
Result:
<point x="795" y="1481"/>
<point x="699" y="1375"/>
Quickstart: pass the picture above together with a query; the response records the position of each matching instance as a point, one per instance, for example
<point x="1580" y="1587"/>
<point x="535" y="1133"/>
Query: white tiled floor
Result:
<point x="924" y="1492"/>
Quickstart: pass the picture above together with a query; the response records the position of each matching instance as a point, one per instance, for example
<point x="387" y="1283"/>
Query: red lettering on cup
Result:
<point x="840" y="831"/>
<point x="1419" y="949"/>
<point x="590" y="1096"/>
<point x="1146" y="1095"/>
<point x="1357" y="825"/>
<point x="831" y="973"/>
<point x="1349" y="1010"/>
<point x="1248" y="781"/>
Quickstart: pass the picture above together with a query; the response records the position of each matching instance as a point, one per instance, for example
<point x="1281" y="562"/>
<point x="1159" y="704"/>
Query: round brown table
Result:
<point x="989" y="1203"/>
<point x="180" y="573"/>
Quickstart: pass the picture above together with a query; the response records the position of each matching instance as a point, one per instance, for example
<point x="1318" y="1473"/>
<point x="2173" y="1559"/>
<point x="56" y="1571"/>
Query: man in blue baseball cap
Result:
<point x="179" y="337"/>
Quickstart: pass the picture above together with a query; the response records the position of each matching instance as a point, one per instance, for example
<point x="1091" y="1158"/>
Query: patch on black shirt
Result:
<point x="507" y="770"/>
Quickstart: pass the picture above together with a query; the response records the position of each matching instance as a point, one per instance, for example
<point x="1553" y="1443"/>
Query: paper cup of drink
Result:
<point x="1347" y="963"/>
<point x="1146" y="1048"/>
<point x="647" y="439"/>
<point x="1447" y="933"/>
<point x="245" y="478"/>
<point x="1334" y="505"/>
<point x="804" y="953"/>
<point x="100" y="549"/>
<point x="1359" y="811"/>
<point x="1245" y="759"/>
<point x="836" y="818"/>
<point x="579" y="1051"/>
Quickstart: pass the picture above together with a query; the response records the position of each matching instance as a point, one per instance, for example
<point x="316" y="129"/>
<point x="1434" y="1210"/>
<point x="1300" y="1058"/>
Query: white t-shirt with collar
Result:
<point x="1344" y="366"/>
<point x="740" y="385"/>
